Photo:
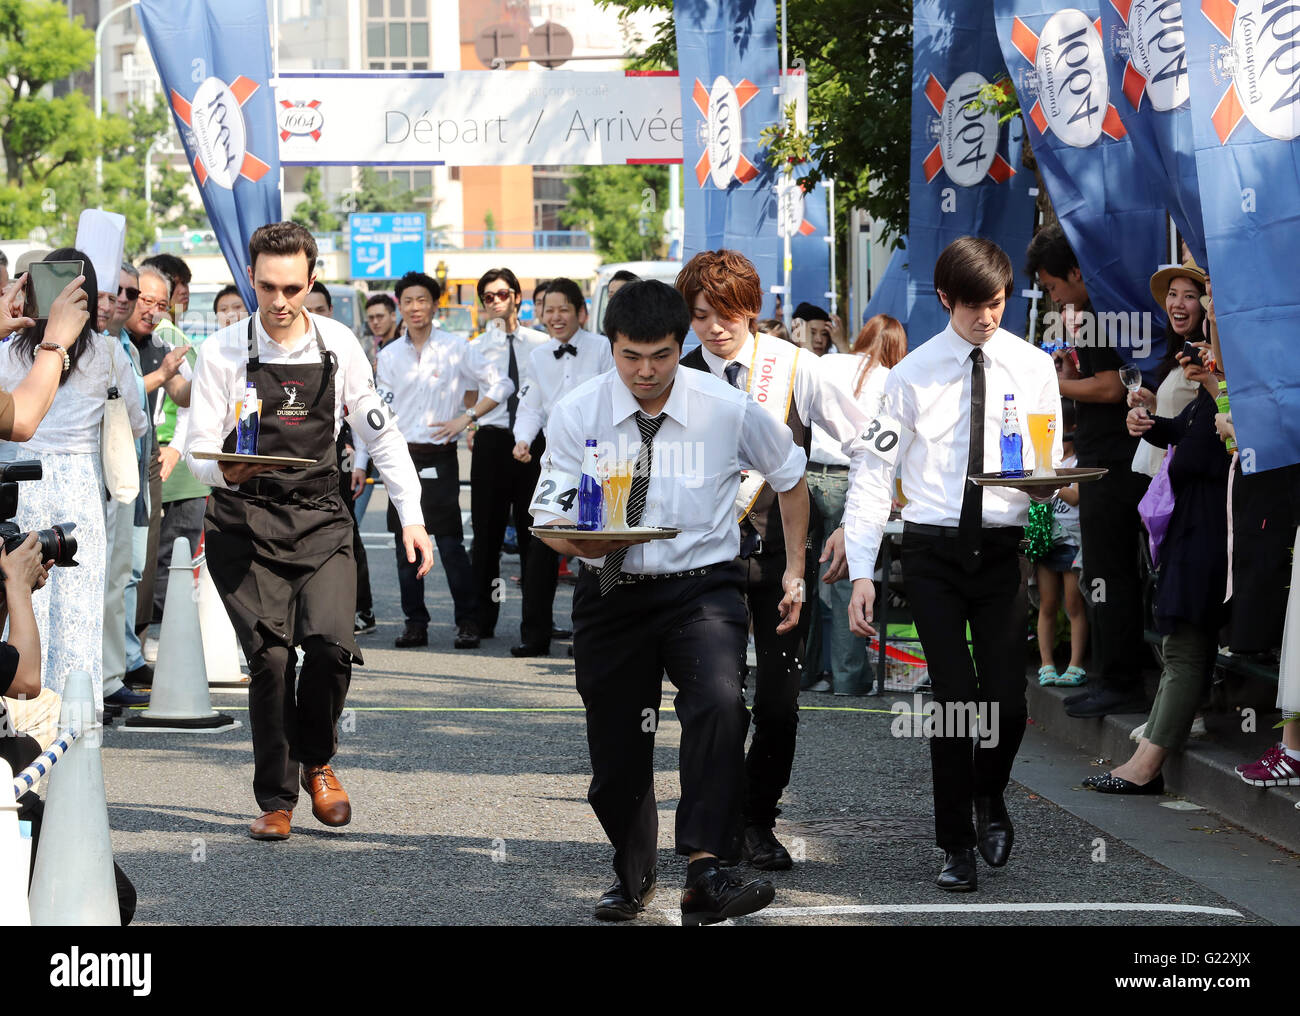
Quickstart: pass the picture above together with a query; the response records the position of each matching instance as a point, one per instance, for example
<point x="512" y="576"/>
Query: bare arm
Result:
<point x="1103" y="387"/>
<point x="794" y="523"/>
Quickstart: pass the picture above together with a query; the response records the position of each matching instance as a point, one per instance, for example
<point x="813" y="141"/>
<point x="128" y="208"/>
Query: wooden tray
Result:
<point x="1061" y="478"/>
<point x="255" y="460"/>
<point x="577" y="535"/>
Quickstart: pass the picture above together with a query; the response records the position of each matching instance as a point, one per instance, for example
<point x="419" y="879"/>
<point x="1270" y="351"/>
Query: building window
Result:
<point x="550" y="195"/>
<point x="397" y="35"/>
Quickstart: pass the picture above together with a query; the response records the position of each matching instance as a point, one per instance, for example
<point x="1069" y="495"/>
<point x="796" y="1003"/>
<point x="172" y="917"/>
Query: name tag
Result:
<point x="556" y="493"/>
<point x="882" y="438"/>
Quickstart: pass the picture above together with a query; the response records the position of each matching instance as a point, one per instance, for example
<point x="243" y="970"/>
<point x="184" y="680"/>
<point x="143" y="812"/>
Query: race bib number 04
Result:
<point x="557" y="494"/>
<point x="882" y="438"/>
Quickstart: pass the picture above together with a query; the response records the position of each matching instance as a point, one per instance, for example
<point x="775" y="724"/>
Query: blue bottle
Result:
<point x="1011" y="443"/>
<point x="246" y="426"/>
<point x="591" y="497"/>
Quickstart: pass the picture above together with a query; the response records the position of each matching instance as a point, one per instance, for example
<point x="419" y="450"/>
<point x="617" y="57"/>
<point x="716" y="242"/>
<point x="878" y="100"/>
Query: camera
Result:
<point x="57" y="543"/>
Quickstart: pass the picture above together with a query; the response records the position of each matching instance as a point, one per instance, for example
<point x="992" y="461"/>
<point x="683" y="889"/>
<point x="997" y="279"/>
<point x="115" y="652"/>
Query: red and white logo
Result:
<point x="216" y="131"/>
<point x="721" y="107"/>
<point x="790" y="206"/>
<point x="1157" y="53"/>
<point x="1263" y="62"/>
<point x="301" y="119"/>
<point x="967" y="148"/>
<point x="1069" y="64"/>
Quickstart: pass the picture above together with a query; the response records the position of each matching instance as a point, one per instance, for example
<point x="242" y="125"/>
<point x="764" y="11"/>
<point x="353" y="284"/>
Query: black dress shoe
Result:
<point x="140" y="677"/>
<point x="523" y="649"/>
<point x="717" y="896"/>
<point x="1079" y="696"/>
<point x="1103" y="703"/>
<point x="619" y="905"/>
<point x="958" y="873"/>
<point x="764" y="851"/>
<point x="1105" y="783"/>
<point x="994" y="830"/>
<point x="467" y="636"/>
<point x="561" y="633"/>
<point x="414" y="635"/>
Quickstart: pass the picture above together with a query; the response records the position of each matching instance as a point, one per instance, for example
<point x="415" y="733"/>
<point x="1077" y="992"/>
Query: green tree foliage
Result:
<point x="314" y="211"/>
<point x="375" y="194"/>
<point x="622" y="208"/>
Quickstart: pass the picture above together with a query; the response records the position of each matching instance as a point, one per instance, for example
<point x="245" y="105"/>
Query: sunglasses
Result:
<point x="130" y="292"/>
<point x="500" y="294"/>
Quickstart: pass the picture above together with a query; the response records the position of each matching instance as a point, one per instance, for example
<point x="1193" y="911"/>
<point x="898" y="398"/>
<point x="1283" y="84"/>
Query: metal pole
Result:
<point x="830" y="239"/>
<point x="275" y="74"/>
<point x="99" y="79"/>
<point x="148" y="177"/>
<point x="787" y="259"/>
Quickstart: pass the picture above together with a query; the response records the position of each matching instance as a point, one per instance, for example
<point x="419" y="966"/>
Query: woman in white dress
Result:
<point x="70" y="609"/>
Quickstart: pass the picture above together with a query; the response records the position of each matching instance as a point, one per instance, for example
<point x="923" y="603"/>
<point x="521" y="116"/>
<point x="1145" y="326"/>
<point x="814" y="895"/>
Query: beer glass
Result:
<point x="617" y="485"/>
<point x="1042" y="428"/>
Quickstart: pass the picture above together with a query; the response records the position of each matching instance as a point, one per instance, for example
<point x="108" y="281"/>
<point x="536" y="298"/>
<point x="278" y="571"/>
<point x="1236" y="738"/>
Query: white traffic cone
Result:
<point x="73" y="882"/>
<point x="15" y="857"/>
<point x="179" y="699"/>
<point x="220" y="645"/>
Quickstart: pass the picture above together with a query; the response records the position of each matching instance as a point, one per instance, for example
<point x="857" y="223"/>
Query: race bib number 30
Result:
<point x="556" y="493"/>
<point x="882" y="438"/>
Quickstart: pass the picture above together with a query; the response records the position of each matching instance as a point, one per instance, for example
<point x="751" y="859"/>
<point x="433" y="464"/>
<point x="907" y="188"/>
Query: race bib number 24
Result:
<point x="556" y="494"/>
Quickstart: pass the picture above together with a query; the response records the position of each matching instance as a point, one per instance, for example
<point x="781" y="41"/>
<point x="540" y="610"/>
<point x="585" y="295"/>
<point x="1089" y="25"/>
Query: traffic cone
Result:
<point x="179" y="700"/>
<point x="220" y="645"/>
<point x="73" y="882"/>
<point x="15" y="857"/>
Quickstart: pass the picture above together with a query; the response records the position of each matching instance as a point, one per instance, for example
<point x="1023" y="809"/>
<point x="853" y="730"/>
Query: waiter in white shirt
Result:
<point x="500" y="484"/>
<point x="672" y="605"/>
<point x="558" y="368"/>
<point x="723" y="291"/>
<point x="279" y="540"/>
<point x="941" y="417"/>
<point x="423" y="376"/>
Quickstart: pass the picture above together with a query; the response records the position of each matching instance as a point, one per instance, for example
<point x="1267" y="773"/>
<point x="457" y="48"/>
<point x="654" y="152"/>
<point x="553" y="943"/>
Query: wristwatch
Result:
<point x="55" y="347"/>
<point x="471" y="414"/>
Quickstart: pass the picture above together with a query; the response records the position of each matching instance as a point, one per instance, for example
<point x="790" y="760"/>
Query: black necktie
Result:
<point x="972" y="502"/>
<point x="566" y="348"/>
<point x="512" y="371"/>
<point x="733" y="374"/>
<point x="648" y="427"/>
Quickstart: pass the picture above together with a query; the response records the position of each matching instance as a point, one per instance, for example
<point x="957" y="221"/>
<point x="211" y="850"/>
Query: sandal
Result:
<point x="1073" y="677"/>
<point x="1047" y="676"/>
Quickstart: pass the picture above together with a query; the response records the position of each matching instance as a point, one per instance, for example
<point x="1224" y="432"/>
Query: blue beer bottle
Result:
<point x="246" y="427"/>
<point x="1011" y="443"/>
<point x="591" y="498"/>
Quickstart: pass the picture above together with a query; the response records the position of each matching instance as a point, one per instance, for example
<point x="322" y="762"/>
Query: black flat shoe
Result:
<point x="527" y="650"/>
<point x="1105" y="783"/>
<point x="958" y="873"/>
<point x="467" y="637"/>
<point x="764" y="851"/>
<point x="619" y="905"/>
<point x="1104" y="703"/>
<point x="561" y="633"/>
<point x="718" y="896"/>
<point x="994" y="831"/>
<point x="414" y="635"/>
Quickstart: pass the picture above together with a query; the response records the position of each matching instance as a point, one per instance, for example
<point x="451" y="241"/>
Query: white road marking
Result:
<point x="675" y="917"/>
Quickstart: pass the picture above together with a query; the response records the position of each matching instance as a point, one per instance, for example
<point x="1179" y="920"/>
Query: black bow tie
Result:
<point x="566" y="348"/>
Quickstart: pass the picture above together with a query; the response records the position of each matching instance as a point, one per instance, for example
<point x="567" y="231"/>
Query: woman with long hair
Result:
<point x="881" y="343"/>
<point x="70" y="609"/>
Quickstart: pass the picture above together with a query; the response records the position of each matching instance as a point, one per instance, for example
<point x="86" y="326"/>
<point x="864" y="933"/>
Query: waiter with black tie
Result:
<point x="941" y="418"/>
<point x="668" y="605"/>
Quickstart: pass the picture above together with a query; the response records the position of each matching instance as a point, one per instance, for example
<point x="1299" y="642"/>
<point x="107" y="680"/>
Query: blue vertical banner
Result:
<point x="215" y="65"/>
<point x="1246" y="122"/>
<point x="810" y="278"/>
<point x="728" y="59"/>
<point x="1112" y="213"/>
<point x="889" y="295"/>
<point x="966" y="178"/>
<point x="1146" y="53"/>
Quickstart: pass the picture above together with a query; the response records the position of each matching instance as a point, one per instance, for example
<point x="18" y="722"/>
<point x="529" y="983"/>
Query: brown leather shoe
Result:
<point x="271" y="825"/>
<point x="329" y="801"/>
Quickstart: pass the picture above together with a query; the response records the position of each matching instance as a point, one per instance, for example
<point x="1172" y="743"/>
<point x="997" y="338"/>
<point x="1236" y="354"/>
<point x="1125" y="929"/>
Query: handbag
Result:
<point x="117" y="445"/>
<point x="1157" y="507"/>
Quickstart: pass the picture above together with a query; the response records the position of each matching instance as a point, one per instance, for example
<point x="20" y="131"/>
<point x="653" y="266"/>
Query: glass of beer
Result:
<point x="617" y="484"/>
<point x="1042" y="428"/>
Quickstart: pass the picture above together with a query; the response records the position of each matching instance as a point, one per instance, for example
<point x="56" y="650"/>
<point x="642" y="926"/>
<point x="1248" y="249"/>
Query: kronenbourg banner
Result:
<point x="215" y="65"/>
<point x="889" y="294"/>
<point x="810" y="277"/>
<point x="1146" y="54"/>
<point x="729" y="66"/>
<point x="1246" y="121"/>
<point x="1113" y="215"/>
<point x="966" y="176"/>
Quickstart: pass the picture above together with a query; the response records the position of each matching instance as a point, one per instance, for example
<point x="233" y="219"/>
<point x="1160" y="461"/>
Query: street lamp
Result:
<point x="440" y="273"/>
<point x="99" y="78"/>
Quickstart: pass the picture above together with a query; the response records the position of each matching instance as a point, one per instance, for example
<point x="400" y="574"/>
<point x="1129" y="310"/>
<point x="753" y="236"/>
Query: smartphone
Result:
<point x="45" y="281"/>
<point x="1193" y="352"/>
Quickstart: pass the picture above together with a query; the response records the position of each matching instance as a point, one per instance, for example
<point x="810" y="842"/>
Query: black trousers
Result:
<point x="540" y="577"/>
<point x="460" y="581"/>
<point x="498" y="485"/>
<point x="1110" y="527"/>
<point x="947" y="592"/>
<point x="144" y="591"/>
<point x="777" y="681"/>
<point x="365" y="602"/>
<point x="694" y="629"/>
<point x="294" y="715"/>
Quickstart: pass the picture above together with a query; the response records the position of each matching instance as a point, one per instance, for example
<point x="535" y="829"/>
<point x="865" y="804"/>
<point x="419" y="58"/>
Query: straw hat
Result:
<point x="1167" y="273"/>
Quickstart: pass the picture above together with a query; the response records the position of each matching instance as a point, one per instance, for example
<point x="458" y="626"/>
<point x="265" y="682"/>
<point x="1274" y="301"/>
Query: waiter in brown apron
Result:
<point x="279" y="539"/>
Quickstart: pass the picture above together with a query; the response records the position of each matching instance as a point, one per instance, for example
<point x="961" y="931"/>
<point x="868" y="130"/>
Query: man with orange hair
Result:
<point x="723" y="292"/>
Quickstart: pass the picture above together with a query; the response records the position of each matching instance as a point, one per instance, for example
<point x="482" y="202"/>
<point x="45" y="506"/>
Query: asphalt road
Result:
<point x="468" y="774"/>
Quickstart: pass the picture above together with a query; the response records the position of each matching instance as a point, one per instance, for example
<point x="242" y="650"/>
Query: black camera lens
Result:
<point x="57" y="543"/>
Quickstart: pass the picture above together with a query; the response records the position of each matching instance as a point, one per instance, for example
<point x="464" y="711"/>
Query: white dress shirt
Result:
<point x="554" y="377"/>
<point x="843" y="372"/>
<point x="712" y="433"/>
<point x="494" y="346"/>
<point x="219" y="381"/>
<point x="928" y="394"/>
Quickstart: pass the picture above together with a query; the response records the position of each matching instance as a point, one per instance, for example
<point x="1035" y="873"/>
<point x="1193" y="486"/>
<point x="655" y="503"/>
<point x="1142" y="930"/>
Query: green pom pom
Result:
<point x="1038" y="531"/>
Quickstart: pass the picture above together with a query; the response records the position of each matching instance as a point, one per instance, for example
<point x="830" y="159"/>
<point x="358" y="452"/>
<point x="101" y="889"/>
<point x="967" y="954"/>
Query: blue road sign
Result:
<point x="526" y="310"/>
<point x="386" y="246"/>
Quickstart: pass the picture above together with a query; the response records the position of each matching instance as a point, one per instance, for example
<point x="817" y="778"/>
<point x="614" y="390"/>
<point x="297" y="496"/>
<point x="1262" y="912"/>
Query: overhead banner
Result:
<point x="1112" y="213"/>
<point x="966" y="177"/>
<point x="1246" y="121"/>
<point x="479" y="118"/>
<point x="215" y="65"/>
<point x="730" y="69"/>
<point x="1146" y="53"/>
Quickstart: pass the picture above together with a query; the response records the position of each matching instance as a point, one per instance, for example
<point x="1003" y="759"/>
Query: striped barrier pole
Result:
<point x="28" y="778"/>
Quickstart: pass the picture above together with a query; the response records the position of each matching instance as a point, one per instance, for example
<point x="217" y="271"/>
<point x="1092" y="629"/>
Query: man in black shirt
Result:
<point x="1108" y="517"/>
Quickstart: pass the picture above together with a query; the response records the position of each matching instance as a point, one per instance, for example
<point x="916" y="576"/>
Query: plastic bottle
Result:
<point x="1222" y="402"/>
<point x="247" y="425"/>
<point x="591" y="497"/>
<point x="1011" y="443"/>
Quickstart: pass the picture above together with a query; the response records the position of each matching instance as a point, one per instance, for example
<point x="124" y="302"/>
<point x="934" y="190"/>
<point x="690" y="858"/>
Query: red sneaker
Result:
<point x="1273" y="770"/>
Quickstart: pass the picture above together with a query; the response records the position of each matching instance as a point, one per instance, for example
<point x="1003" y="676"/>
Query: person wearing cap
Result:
<point x="812" y="323"/>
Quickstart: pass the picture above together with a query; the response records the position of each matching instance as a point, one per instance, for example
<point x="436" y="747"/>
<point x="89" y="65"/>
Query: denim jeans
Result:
<point x="850" y="668"/>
